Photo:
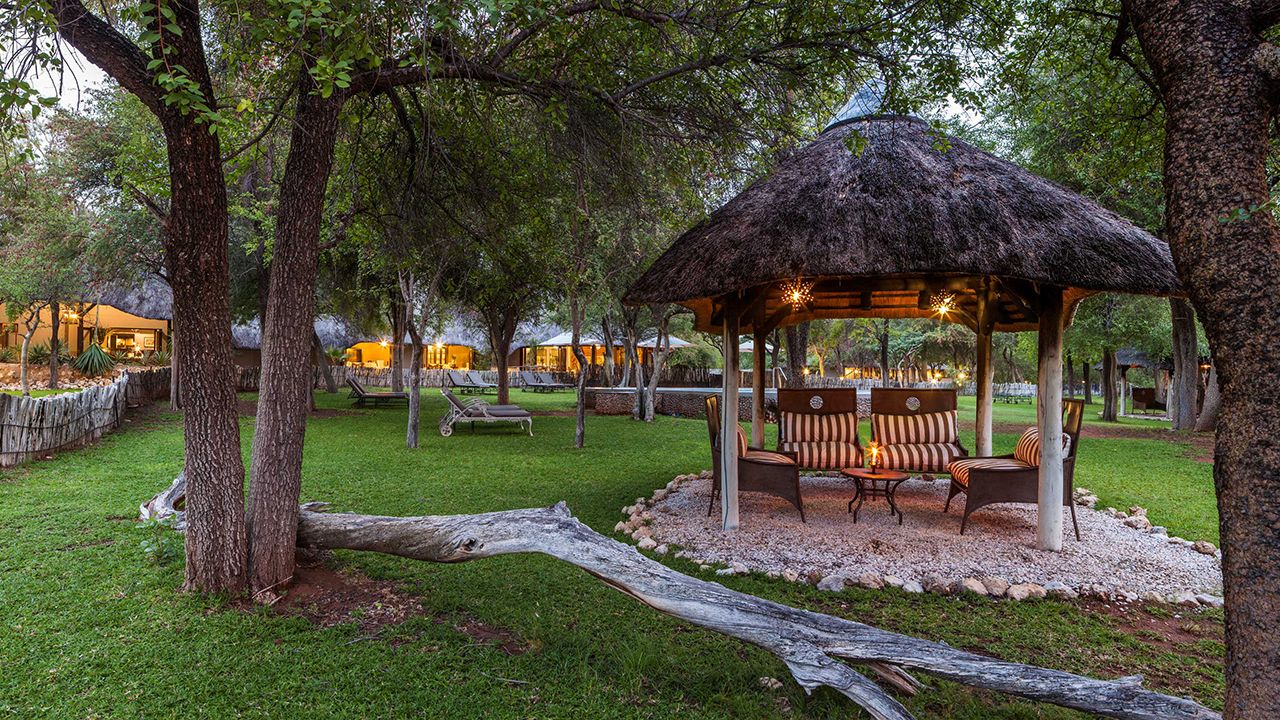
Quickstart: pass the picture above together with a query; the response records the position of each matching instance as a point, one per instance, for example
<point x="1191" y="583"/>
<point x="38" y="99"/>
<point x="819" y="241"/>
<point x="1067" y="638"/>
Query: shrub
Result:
<point x="158" y="358"/>
<point x="38" y="354"/>
<point x="94" y="362"/>
<point x="9" y="354"/>
<point x="163" y="544"/>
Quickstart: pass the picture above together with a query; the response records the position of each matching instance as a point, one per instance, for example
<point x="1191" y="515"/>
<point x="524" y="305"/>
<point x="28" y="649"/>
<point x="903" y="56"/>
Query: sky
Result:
<point x="78" y="77"/>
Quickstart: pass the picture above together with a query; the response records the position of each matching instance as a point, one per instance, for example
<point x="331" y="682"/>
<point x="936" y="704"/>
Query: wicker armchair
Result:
<point x="759" y="470"/>
<point x="1015" y="478"/>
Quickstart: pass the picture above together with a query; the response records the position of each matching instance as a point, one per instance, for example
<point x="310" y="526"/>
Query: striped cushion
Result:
<point x="827" y="455"/>
<point x="960" y="468"/>
<point x="926" y="428"/>
<point x="1028" y="448"/>
<point x="765" y="456"/>
<point x="920" y="457"/>
<point x="810" y="427"/>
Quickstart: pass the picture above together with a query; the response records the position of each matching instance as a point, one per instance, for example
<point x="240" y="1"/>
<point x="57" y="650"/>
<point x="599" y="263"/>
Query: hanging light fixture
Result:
<point x="943" y="302"/>
<point x="797" y="293"/>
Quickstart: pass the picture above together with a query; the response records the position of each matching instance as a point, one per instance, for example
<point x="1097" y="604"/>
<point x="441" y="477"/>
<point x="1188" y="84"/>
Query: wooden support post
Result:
<point x="984" y="373"/>
<point x="729" y="425"/>
<point x="1049" y="409"/>
<point x="757" y="389"/>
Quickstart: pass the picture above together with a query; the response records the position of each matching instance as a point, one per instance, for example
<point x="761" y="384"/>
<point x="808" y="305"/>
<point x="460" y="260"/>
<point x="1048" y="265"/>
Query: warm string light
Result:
<point x="797" y="292"/>
<point x="943" y="302"/>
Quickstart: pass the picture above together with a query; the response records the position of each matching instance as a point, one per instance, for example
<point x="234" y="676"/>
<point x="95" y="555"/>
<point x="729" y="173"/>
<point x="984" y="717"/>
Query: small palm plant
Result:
<point x="93" y="362"/>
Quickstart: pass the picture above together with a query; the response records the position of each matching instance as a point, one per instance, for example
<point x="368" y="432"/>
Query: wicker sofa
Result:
<point x="915" y="429"/>
<point x="820" y="427"/>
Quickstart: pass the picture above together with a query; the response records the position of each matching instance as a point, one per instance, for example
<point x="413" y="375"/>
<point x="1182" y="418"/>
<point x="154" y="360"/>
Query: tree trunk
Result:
<point x="1186" y="366"/>
<point x="1109" y="372"/>
<point x="1218" y="78"/>
<point x="502" y="330"/>
<point x="23" y="380"/>
<point x="608" y="369"/>
<point x="196" y="250"/>
<point x="397" y="346"/>
<point x="1208" y="419"/>
<point x="883" y="337"/>
<point x="580" y="407"/>
<point x="322" y="360"/>
<point x="1071" y="376"/>
<point x="55" y="322"/>
<point x="285" y="383"/>
<point x="1086" y="373"/>
<point x="661" y="349"/>
<point x="415" y="390"/>
<point x="175" y="378"/>
<point x="797" y="353"/>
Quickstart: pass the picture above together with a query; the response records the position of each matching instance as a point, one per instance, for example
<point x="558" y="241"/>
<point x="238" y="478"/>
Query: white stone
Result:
<point x="912" y="586"/>
<point x="622" y="527"/>
<point x="705" y="475"/>
<point x="1059" y="590"/>
<point x="661" y="549"/>
<point x="832" y="583"/>
<point x="1138" y="522"/>
<point x="871" y="581"/>
<point x="739" y="568"/>
<point x="1127" y="596"/>
<point x="893" y="581"/>
<point x="1159" y="530"/>
<point x="1187" y="598"/>
<point x="972" y="585"/>
<point x="1025" y="591"/>
<point x="1209" y="600"/>
<point x="647" y="543"/>
<point x="641" y="533"/>
<point x="936" y="584"/>
<point x="790" y="575"/>
<point x="1137" y="510"/>
<point x="659" y="494"/>
<point x="726" y="571"/>
<point x="1152" y="597"/>
<point x="996" y="587"/>
<point x="1204" y="547"/>
<point x="770" y="683"/>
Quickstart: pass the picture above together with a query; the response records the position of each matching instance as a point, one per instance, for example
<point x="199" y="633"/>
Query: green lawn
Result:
<point x="91" y="629"/>
<point x="41" y="392"/>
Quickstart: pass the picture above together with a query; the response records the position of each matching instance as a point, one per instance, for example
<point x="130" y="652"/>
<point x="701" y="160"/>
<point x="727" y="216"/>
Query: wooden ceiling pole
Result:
<point x="729" y="419"/>
<point x="984" y="373"/>
<point x="1049" y="409"/>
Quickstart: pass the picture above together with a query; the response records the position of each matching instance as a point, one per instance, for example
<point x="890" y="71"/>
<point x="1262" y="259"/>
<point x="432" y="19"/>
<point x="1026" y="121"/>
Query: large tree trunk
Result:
<point x="415" y="390"/>
<point x="322" y="360"/>
<point x="55" y="322"/>
<point x="397" y="346"/>
<point x="1071" y="376"/>
<point x="1208" y="419"/>
<point x="196" y="245"/>
<point x="608" y="350"/>
<point x="501" y="325"/>
<point x="580" y="407"/>
<point x="1109" y="382"/>
<point x="797" y="353"/>
<point x="1186" y="366"/>
<point x="1219" y="81"/>
<point x="284" y="392"/>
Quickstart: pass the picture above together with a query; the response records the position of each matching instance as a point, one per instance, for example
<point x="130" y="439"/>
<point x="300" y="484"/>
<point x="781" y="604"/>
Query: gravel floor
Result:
<point x="999" y="540"/>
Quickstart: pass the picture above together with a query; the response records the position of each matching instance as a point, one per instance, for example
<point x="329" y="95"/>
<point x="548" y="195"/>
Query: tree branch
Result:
<point x="110" y="50"/>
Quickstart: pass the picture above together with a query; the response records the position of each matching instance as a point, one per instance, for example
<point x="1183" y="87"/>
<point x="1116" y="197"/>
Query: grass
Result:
<point x="41" y="392"/>
<point x="92" y="629"/>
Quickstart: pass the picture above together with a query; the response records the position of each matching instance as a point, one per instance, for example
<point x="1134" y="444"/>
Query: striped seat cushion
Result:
<point x="825" y="455"/>
<point x="923" y="429"/>
<point x="811" y="427"/>
<point x="959" y="469"/>
<point x="920" y="457"/>
<point x="1028" y="447"/>
<point x="766" y="456"/>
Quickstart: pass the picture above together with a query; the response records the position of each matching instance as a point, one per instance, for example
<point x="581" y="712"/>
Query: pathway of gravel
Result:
<point x="998" y="542"/>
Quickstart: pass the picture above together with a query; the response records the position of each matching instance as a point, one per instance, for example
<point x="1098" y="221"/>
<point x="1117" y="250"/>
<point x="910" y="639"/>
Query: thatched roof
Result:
<point x="335" y="334"/>
<point x="877" y="230"/>
<point x="150" y="298"/>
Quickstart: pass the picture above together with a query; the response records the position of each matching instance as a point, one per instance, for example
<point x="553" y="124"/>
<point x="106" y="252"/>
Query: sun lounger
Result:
<point x="531" y="382"/>
<point x="476" y="410"/>
<point x="361" y="395"/>
<point x="468" y="384"/>
<point x="550" y="381"/>
<point x="478" y="380"/>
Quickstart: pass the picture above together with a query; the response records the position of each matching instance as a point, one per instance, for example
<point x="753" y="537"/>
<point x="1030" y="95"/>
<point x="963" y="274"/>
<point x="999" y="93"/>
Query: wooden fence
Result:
<point x="30" y="427"/>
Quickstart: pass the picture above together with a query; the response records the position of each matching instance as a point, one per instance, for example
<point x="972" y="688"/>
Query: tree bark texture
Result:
<point x="284" y="394"/>
<point x="584" y="367"/>
<point x="501" y="324"/>
<point x="1086" y="374"/>
<point x="797" y="353"/>
<point x="55" y="323"/>
<point x="1186" y="366"/>
<point x="1208" y="420"/>
<point x="322" y="361"/>
<point x="1109" y="382"/>
<point x="1218" y="77"/>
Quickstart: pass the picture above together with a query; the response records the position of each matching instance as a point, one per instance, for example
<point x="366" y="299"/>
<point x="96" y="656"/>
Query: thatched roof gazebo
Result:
<point x="881" y="216"/>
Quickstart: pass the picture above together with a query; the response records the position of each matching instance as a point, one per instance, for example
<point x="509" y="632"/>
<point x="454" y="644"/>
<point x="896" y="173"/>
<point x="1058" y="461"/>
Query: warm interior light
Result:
<point x="797" y="293"/>
<point x="943" y="302"/>
<point x="384" y="343"/>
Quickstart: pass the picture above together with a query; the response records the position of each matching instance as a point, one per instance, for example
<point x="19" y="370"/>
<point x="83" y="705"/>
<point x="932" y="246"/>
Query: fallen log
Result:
<point x="812" y="645"/>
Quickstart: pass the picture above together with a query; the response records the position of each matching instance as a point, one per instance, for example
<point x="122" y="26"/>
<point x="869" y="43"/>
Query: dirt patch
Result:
<point x="329" y="597"/>
<point x="249" y="408"/>
<point x="1186" y="632"/>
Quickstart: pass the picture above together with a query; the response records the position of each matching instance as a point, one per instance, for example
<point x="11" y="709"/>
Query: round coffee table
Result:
<point x="881" y="483"/>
